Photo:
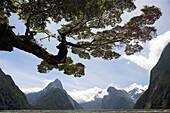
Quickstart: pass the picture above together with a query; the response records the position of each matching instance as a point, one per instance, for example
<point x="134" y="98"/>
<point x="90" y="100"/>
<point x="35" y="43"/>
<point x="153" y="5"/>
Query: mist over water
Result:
<point x="88" y="111"/>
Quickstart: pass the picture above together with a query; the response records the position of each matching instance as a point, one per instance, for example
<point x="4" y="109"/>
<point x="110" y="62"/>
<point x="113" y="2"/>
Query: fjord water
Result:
<point x="89" y="111"/>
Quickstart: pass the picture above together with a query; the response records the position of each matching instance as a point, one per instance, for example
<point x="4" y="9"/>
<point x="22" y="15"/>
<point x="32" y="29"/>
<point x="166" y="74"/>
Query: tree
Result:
<point x="82" y="17"/>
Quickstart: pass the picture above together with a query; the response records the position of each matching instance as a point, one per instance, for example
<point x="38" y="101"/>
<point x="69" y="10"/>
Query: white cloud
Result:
<point x="88" y="94"/>
<point x="27" y="82"/>
<point x="128" y="62"/>
<point x="31" y="90"/>
<point x="5" y="62"/>
<point x="156" y="47"/>
<point x="46" y="82"/>
<point x="102" y="94"/>
<point x="36" y="89"/>
<point x="133" y="86"/>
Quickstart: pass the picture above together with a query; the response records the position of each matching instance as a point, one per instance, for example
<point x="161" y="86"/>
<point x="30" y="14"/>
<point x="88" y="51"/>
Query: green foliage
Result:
<point x="81" y="53"/>
<point x="68" y="67"/>
<point x="83" y="17"/>
<point x="44" y="67"/>
<point x="11" y="97"/>
<point x="6" y="8"/>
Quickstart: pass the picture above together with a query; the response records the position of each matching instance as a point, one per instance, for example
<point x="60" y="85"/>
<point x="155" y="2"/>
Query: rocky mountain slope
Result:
<point x="11" y="97"/>
<point x="117" y="99"/>
<point x="136" y="94"/>
<point x="53" y="97"/>
<point x="157" y="96"/>
<point x="92" y="105"/>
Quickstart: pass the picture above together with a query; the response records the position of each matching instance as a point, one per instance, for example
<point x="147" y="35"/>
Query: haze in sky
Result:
<point x="100" y="73"/>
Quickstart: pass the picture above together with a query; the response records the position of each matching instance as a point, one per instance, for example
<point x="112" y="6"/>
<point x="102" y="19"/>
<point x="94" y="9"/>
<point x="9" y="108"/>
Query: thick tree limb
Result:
<point x="8" y="40"/>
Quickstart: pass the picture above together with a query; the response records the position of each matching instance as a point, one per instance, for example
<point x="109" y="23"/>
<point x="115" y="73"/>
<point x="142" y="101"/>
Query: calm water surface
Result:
<point x="86" y="111"/>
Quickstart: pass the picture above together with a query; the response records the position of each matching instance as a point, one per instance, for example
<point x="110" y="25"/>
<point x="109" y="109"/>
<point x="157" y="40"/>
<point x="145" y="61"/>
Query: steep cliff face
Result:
<point x="11" y="97"/>
<point x="157" y="96"/>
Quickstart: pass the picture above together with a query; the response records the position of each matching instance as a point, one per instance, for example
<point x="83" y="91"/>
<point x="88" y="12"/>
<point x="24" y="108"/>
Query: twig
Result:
<point x="40" y="13"/>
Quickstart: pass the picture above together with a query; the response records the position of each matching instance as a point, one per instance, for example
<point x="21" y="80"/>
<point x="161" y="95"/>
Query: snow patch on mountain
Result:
<point x="88" y="94"/>
<point x="136" y="86"/>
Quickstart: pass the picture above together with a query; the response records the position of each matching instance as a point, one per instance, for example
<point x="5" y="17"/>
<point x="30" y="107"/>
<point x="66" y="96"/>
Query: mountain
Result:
<point x="53" y="97"/>
<point x="114" y="99"/>
<point x="135" y="91"/>
<point x="11" y="97"/>
<point x="157" y="96"/>
<point x="136" y="94"/>
<point x="33" y="98"/>
<point x="117" y="99"/>
<point x="56" y="84"/>
<point x="92" y="105"/>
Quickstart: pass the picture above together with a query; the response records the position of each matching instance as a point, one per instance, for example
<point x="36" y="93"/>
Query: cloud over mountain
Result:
<point x="155" y="49"/>
<point x="88" y="94"/>
<point x="36" y="89"/>
<point x="135" y="86"/>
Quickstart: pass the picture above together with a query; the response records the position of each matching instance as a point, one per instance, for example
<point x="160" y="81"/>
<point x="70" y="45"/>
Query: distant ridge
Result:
<point x="115" y="99"/>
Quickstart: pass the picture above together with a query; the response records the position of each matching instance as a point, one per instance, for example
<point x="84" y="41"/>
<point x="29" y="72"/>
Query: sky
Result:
<point x="100" y="74"/>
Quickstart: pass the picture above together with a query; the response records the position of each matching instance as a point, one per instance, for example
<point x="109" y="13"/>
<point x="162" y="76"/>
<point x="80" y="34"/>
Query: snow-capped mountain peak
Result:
<point x="135" y="91"/>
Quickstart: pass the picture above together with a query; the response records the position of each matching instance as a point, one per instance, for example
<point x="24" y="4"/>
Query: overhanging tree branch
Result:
<point x="40" y="13"/>
<point x="8" y="40"/>
<point x="81" y="18"/>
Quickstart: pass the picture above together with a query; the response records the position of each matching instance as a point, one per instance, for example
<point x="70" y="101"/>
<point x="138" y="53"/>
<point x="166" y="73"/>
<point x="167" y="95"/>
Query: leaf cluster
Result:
<point x="87" y="23"/>
<point x="68" y="67"/>
<point x="6" y="8"/>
